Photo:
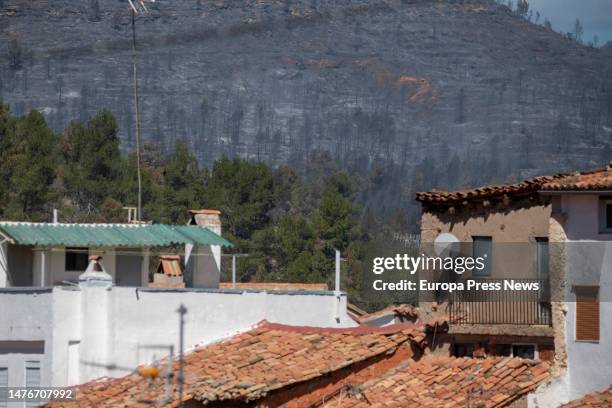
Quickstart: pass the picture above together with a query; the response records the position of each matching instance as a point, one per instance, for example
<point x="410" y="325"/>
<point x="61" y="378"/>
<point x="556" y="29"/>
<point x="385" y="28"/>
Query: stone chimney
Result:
<point x="206" y="218"/>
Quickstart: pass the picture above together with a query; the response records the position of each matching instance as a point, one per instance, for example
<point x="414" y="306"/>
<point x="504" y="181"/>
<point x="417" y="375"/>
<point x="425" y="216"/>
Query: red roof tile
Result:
<point x="400" y="310"/>
<point x="170" y="265"/>
<point x="595" y="180"/>
<point x="595" y="400"/>
<point x="250" y="365"/>
<point x="205" y="211"/>
<point x="524" y="187"/>
<point x="354" y="311"/>
<point x="441" y="381"/>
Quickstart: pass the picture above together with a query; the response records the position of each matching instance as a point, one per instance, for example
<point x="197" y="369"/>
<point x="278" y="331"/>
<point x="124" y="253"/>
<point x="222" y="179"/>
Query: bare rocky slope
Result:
<point x="414" y="94"/>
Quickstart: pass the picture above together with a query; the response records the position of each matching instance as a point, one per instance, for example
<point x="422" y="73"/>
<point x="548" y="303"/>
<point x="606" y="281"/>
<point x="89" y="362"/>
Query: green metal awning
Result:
<point x="109" y="235"/>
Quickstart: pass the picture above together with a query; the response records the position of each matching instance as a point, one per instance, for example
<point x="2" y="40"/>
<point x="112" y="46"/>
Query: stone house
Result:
<point x="556" y="230"/>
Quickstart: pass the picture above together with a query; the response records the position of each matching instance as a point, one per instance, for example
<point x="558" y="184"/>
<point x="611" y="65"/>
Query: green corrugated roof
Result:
<point x="109" y="235"/>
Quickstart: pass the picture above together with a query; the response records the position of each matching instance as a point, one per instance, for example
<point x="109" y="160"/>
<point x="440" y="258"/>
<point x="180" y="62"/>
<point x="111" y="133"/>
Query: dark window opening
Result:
<point x="523" y="351"/>
<point x="482" y="248"/>
<point x="76" y="259"/>
<point x="503" y="350"/>
<point x="463" y="350"/>
<point x="22" y="347"/>
<point x="605" y="214"/>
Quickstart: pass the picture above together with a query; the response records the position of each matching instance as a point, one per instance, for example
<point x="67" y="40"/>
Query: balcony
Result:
<point x="503" y="307"/>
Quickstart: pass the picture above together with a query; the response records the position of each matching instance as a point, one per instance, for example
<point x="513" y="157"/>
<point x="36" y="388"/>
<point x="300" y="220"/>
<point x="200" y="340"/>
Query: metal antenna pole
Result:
<point x="182" y="310"/>
<point x="137" y="110"/>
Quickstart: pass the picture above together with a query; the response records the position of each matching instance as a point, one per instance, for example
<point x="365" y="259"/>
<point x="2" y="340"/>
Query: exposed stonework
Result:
<point x="557" y="235"/>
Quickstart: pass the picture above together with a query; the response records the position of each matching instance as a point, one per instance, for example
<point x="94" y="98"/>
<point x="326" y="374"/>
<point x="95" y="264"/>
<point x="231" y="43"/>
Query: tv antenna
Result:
<point x="157" y="369"/>
<point x="137" y="6"/>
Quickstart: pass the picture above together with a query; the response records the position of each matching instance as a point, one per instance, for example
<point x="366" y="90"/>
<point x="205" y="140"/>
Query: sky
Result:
<point x="595" y="15"/>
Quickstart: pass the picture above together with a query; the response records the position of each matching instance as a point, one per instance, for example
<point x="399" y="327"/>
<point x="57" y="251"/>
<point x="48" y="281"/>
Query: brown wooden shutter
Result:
<point x="587" y="313"/>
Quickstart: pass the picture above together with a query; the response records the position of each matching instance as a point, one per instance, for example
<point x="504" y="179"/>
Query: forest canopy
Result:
<point x="288" y="223"/>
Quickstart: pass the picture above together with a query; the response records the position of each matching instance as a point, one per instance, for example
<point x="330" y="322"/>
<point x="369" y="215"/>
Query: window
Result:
<point x="463" y="350"/>
<point x="587" y="313"/>
<point x="3" y="383"/>
<point x="605" y="215"/>
<point x="503" y="350"/>
<point x="76" y="259"/>
<point x="524" y="351"/>
<point x="482" y="247"/>
<point x="22" y="347"/>
<point x="32" y="379"/>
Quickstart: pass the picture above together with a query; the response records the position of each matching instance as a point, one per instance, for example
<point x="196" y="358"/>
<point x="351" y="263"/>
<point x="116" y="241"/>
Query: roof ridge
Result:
<point x="361" y="329"/>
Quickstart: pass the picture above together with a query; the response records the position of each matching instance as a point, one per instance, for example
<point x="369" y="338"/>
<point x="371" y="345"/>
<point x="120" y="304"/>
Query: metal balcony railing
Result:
<point x="522" y="307"/>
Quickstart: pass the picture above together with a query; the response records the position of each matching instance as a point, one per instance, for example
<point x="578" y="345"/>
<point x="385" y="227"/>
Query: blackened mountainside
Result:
<point x="412" y="94"/>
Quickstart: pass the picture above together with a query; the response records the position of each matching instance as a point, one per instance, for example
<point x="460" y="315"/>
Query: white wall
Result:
<point x="26" y="316"/>
<point x="67" y="327"/>
<point x="115" y="326"/>
<point x="588" y="262"/>
<point x="211" y="315"/>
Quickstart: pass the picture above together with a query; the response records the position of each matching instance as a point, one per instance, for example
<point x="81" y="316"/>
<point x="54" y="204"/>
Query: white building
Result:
<point x="581" y="255"/>
<point x="74" y="334"/>
<point x="106" y="323"/>
<point x="49" y="254"/>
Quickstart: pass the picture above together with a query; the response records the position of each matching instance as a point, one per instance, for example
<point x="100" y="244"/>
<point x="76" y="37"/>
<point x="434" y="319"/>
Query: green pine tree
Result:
<point x="92" y="162"/>
<point x="183" y="187"/>
<point x="29" y="161"/>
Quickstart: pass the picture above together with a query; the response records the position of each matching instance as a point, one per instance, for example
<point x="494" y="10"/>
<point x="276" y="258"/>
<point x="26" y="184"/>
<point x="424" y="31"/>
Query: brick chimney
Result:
<point x="206" y="218"/>
<point x="169" y="273"/>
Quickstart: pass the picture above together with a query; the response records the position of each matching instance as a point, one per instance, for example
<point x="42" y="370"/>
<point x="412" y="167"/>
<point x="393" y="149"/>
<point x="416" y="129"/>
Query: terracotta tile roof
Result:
<point x="441" y="381"/>
<point x="205" y="211"/>
<point x="354" y="311"/>
<point x="595" y="180"/>
<point x="170" y="265"/>
<point x="595" y="400"/>
<point x="276" y="286"/>
<point x="400" y="310"/>
<point x="250" y="365"/>
<point x="599" y="179"/>
<point x="524" y="187"/>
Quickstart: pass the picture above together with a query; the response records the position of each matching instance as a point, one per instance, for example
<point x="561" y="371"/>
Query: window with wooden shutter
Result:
<point x="587" y="313"/>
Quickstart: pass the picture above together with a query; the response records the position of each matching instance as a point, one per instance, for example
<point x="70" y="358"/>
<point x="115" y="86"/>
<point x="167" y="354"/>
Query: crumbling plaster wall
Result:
<point x="515" y="222"/>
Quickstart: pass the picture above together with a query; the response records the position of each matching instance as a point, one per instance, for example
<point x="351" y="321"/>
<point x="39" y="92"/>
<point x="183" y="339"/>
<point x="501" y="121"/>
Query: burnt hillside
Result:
<point x="410" y="94"/>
